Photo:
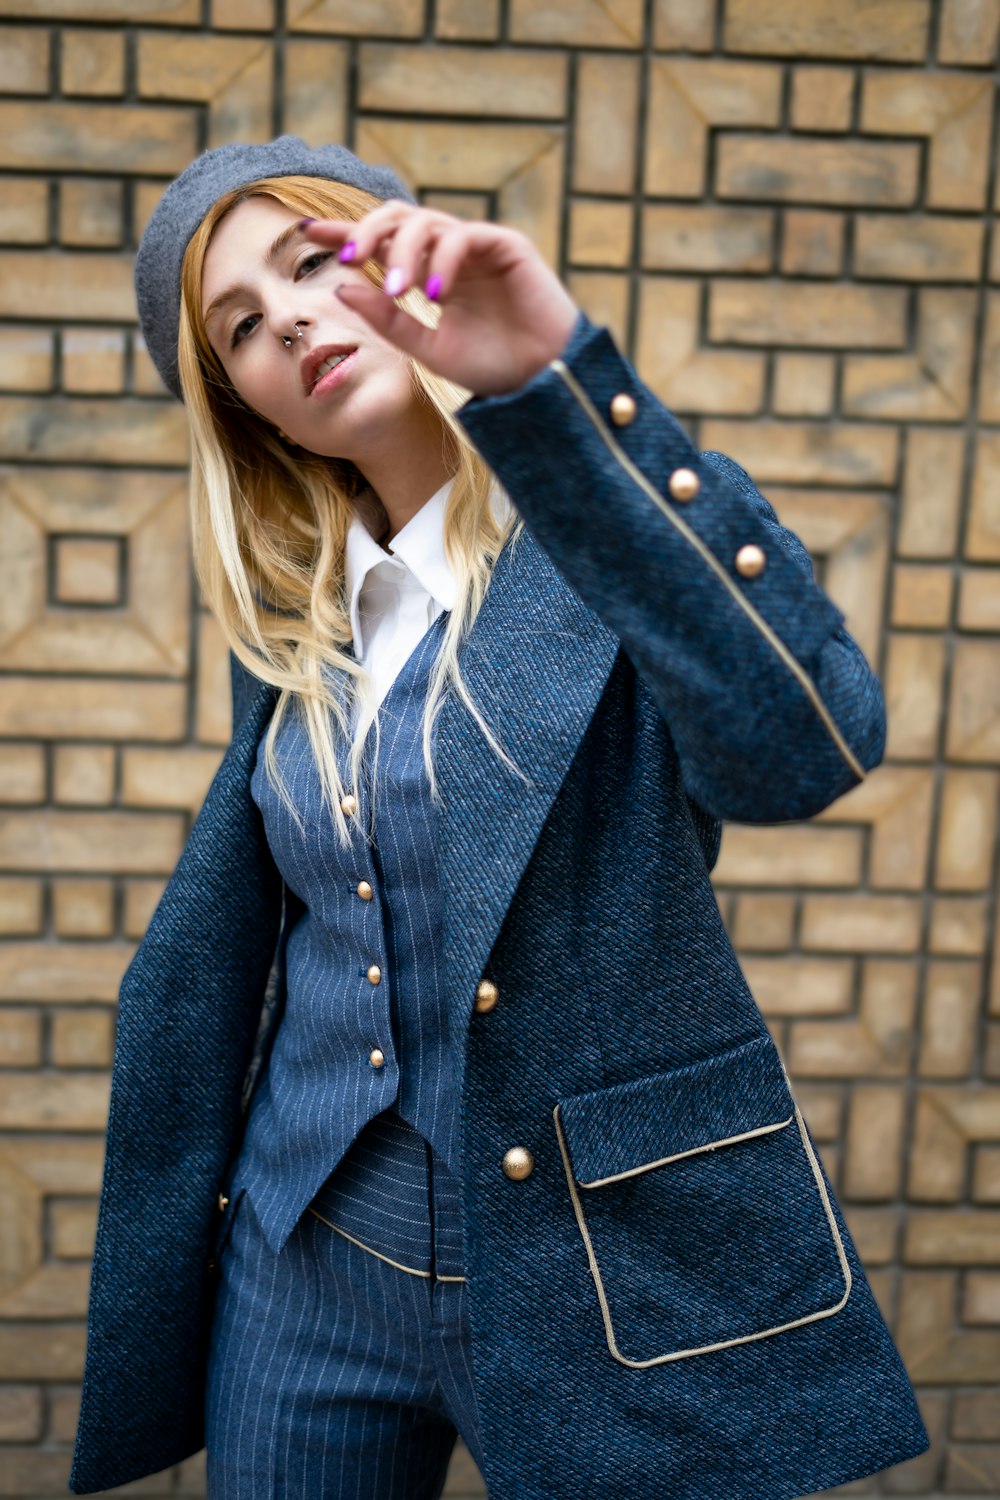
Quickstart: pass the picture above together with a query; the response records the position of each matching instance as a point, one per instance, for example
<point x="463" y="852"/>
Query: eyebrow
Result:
<point x="233" y="293"/>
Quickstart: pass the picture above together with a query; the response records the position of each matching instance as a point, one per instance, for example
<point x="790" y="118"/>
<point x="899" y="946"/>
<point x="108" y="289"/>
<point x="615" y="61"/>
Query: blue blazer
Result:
<point x="670" y="1302"/>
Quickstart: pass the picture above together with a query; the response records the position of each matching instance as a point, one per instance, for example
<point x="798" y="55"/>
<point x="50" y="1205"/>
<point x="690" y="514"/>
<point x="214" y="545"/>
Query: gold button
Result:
<point x="364" y="890"/>
<point x="376" y="1057"/>
<point x="623" y="409"/>
<point x="223" y="1203"/>
<point x="374" y="973"/>
<point x="487" y="995"/>
<point x="349" y="805"/>
<point x="518" y="1163"/>
<point x="684" y="484"/>
<point x="750" y="560"/>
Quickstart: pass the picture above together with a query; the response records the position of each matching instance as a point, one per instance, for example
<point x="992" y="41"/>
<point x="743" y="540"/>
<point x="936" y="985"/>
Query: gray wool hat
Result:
<point x="190" y="196"/>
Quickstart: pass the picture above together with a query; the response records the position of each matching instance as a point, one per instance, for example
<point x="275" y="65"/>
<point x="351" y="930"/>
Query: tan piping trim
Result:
<point x="636" y="474"/>
<point x="410" y="1270"/>
<point x="643" y="1364"/>
<point x="708" y="1146"/>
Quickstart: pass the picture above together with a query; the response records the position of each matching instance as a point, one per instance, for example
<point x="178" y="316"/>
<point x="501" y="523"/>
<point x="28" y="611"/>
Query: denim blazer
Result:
<point x="670" y="1302"/>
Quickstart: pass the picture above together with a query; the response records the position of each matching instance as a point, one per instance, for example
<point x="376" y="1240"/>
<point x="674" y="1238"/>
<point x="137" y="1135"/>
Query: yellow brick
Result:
<point x="892" y="29"/>
<point x="55" y="1164"/>
<point x="64" y="1412"/>
<point x="981" y="1302"/>
<point x="604" y="297"/>
<point x="167" y="778"/>
<point x="806" y="453"/>
<point x="86" y="570"/>
<point x="703" y="237"/>
<point x="986" y="1181"/>
<point x="24" y="60"/>
<point x="154" y="12"/>
<point x="24" y="211"/>
<point x="140" y="898"/>
<point x="25" y="359"/>
<point x="931" y="1348"/>
<point x="780" y="312"/>
<point x="146" y="379"/>
<point x="243" y="15"/>
<point x="92" y="430"/>
<point x="600" y="232"/>
<point x="875" y="1130"/>
<point x="793" y="856"/>
<point x="979" y="600"/>
<point x="967" y="824"/>
<point x="764" y="921"/>
<point x="59" y="137"/>
<point x="462" y="80"/>
<point x="51" y="1292"/>
<point x="20" y="1038"/>
<point x="92" y="62"/>
<point x="72" y="708"/>
<point x="874" y="1232"/>
<point x="82" y="1039"/>
<point x="685" y="375"/>
<point x="84" y="775"/>
<point x="867" y="173"/>
<point x="22" y="773"/>
<point x="982" y="543"/>
<point x="577" y="23"/>
<point x="938" y="1151"/>
<point x="73" y="1225"/>
<point x="83" y="908"/>
<point x="913" y="683"/>
<point x="875" y="924"/>
<point x="958" y="925"/>
<point x="93" y="362"/>
<point x="213" y="695"/>
<point x="876" y="1041"/>
<point x="994" y="266"/>
<point x="20" y="1413"/>
<point x="687" y="97"/>
<point x="813" y="242"/>
<point x="948" y="1030"/>
<point x="969" y="31"/>
<point x="54" y="1351"/>
<point x="973" y="720"/>
<point x="931" y="494"/>
<point x="804" y="384"/>
<point x="20" y="906"/>
<point x="43" y="1101"/>
<point x="921" y="596"/>
<point x="375" y="18"/>
<point x="315" y="94"/>
<point x="921" y="247"/>
<point x="822" y="98"/>
<point x="954" y="110"/>
<point x="607" y="104"/>
<point x="684" y="25"/>
<point x="989" y="367"/>
<point x="822" y="1104"/>
<point x="796" y="986"/>
<point x="67" y="285"/>
<point x="92" y="841"/>
<point x="90" y="213"/>
<point x="183" y="67"/>
<point x="932" y="384"/>
<point x="467" y="20"/>
<point x="957" y="1237"/>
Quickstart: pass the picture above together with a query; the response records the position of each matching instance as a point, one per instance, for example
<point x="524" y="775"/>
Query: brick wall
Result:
<point x="785" y="210"/>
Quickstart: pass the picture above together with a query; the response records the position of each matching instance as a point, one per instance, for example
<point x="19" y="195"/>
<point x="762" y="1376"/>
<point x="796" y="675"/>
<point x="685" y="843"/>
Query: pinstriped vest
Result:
<point x="327" y="1103"/>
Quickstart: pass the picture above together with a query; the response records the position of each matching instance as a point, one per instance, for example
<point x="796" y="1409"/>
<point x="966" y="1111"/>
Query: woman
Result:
<point x="518" y="1156"/>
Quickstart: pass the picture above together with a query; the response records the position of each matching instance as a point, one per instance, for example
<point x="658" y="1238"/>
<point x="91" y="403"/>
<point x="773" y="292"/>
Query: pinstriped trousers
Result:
<point x="335" y="1373"/>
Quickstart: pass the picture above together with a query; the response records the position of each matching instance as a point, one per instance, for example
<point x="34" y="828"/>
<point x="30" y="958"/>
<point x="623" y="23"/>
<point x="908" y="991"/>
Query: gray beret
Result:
<point x="190" y="196"/>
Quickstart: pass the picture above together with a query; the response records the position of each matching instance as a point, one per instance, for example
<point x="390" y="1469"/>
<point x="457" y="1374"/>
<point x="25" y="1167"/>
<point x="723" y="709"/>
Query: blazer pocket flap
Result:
<point x="632" y="1127"/>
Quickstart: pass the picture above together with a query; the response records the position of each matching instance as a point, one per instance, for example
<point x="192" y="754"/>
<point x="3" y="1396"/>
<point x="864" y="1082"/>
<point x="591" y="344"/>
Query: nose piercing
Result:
<point x="287" y="341"/>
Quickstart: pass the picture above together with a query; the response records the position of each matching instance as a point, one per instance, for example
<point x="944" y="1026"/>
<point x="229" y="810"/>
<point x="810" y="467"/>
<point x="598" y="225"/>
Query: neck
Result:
<point x="404" y="488"/>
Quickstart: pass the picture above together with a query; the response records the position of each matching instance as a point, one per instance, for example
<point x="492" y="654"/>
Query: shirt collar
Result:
<point x="419" y="546"/>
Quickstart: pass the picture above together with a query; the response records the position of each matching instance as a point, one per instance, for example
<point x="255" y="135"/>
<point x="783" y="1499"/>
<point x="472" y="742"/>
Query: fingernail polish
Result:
<point x="304" y="223"/>
<point x="394" y="282"/>
<point x="348" y="251"/>
<point x="433" y="287"/>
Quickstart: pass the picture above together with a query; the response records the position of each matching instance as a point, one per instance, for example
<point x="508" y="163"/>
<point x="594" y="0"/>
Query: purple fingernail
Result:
<point x="304" y="223"/>
<point x="394" y="282"/>
<point x="433" y="287"/>
<point x="348" y="251"/>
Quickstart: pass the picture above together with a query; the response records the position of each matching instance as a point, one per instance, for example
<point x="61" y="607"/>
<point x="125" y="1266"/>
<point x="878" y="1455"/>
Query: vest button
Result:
<point x="750" y="560"/>
<point x="349" y="805"/>
<point x="487" y="996"/>
<point x="623" y="409"/>
<point x="684" y="484"/>
<point x="518" y="1163"/>
<point x="374" y="973"/>
<point x="365" y="890"/>
<point x="223" y="1203"/>
<point x="376" y="1057"/>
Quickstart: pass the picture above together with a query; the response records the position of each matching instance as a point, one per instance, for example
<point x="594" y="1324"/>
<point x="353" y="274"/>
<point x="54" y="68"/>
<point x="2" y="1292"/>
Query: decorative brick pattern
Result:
<point x="785" y="214"/>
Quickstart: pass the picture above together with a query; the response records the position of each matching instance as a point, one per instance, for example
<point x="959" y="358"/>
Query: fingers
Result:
<point x="387" y="318"/>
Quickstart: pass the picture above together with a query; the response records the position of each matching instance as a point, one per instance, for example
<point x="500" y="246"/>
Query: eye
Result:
<point x="318" y="256"/>
<point x="238" y="337"/>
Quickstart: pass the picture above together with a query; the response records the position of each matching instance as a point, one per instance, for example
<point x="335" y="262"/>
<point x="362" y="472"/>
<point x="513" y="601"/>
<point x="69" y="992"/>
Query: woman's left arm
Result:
<point x="772" y="706"/>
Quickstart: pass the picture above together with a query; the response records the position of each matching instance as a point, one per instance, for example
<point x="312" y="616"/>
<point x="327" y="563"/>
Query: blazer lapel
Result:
<point x="535" y="662"/>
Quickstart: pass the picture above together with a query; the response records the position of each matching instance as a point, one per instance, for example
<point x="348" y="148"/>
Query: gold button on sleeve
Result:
<point x="623" y="409"/>
<point x="349" y="805"/>
<point x="684" y="484"/>
<point x="374" y="973"/>
<point x="376" y="1057"/>
<point x="364" y="890"/>
<point x="750" y="560"/>
<point x="487" y="996"/>
<point x="518" y="1163"/>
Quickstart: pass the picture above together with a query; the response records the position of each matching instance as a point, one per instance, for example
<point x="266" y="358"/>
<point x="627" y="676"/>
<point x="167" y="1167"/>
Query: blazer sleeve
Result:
<point x="772" y="706"/>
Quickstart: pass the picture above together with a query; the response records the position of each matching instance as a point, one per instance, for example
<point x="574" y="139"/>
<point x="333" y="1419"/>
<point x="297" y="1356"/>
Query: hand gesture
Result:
<point x="504" y="313"/>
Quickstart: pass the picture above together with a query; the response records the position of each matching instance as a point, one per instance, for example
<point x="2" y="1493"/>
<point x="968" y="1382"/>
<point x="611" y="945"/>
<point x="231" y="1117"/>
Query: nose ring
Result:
<point x="287" y="341"/>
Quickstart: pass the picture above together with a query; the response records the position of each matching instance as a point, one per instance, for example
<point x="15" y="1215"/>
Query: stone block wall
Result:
<point x="785" y="210"/>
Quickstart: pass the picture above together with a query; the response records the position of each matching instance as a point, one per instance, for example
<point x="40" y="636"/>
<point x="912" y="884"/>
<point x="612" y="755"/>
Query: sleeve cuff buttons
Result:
<point x="750" y="560"/>
<point x="684" y="484"/>
<point x="623" y="409"/>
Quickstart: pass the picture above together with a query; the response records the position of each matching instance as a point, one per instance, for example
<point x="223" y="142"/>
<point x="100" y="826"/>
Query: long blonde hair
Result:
<point x="269" y="526"/>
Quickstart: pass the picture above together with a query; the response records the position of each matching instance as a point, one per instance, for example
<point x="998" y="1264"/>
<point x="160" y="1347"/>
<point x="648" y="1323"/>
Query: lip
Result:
<point x="312" y="360"/>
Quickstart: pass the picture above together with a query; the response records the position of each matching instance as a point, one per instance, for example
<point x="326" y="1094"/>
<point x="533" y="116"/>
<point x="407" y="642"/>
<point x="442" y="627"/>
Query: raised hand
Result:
<point x="504" y="313"/>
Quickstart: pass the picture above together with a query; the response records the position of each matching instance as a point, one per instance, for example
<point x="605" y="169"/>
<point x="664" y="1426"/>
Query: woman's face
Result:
<point x="351" y="411"/>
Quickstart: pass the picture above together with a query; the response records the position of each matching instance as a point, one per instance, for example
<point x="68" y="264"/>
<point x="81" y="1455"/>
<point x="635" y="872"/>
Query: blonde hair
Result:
<point x="269" y="527"/>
